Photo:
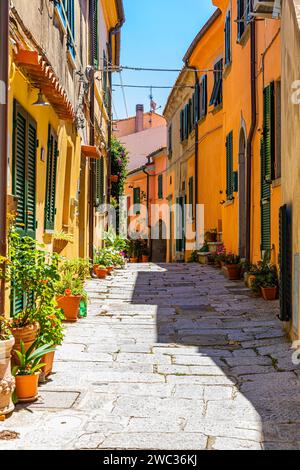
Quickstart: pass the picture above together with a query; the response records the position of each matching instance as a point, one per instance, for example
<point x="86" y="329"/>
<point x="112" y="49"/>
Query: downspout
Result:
<point x="92" y="133"/>
<point x="148" y="212"/>
<point x="251" y="136"/>
<point x="4" y="59"/>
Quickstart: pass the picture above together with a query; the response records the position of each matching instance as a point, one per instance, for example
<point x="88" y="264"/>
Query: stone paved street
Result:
<point x="170" y="357"/>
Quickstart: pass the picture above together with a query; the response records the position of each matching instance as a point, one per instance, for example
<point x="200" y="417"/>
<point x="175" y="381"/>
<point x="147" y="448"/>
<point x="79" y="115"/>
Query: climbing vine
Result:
<point x="119" y="164"/>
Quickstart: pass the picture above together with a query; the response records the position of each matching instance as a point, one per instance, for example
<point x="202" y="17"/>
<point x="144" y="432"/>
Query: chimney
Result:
<point x="139" y="118"/>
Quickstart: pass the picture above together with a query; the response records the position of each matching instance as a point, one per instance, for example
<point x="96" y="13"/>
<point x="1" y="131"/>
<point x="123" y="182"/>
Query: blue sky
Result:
<point x="157" y="33"/>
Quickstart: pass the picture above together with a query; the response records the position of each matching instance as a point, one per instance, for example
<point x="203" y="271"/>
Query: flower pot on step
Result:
<point x="70" y="306"/>
<point x="28" y="334"/>
<point x="101" y="273"/>
<point x="145" y="259"/>
<point x="133" y="260"/>
<point x="269" y="293"/>
<point x="233" y="271"/>
<point x="48" y="360"/>
<point x="110" y="270"/>
<point x="7" y="381"/>
<point x="27" y="387"/>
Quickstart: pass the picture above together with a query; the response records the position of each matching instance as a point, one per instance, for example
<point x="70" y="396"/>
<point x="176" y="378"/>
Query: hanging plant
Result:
<point x="119" y="164"/>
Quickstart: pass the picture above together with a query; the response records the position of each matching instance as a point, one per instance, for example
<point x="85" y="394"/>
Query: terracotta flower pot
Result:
<point x="114" y="178"/>
<point x="95" y="267"/>
<point x="269" y="293"/>
<point x="70" y="306"/>
<point x="233" y="272"/>
<point x="133" y="260"/>
<point x="7" y="381"/>
<point x="27" y="387"/>
<point x="110" y="269"/>
<point x="48" y="360"/>
<point x="28" y="334"/>
<point x="101" y="273"/>
<point x="145" y="259"/>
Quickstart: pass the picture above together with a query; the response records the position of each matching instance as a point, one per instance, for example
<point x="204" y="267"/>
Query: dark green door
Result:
<point x="24" y="180"/>
<point x="265" y="202"/>
<point x="180" y="224"/>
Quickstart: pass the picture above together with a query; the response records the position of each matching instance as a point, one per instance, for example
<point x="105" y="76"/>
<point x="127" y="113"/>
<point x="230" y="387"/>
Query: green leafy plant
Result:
<point x="232" y="259"/>
<point x="68" y="285"/>
<point x="266" y="274"/>
<point x="51" y="325"/>
<point x="135" y="248"/>
<point x="119" y="165"/>
<point x="30" y="360"/>
<point x="112" y="240"/>
<point x="108" y="257"/>
<point x="5" y="332"/>
<point x="60" y="235"/>
<point x="194" y="257"/>
<point x="79" y="268"/>
<point x="204" y="248"/>
<point x="30" y="273"/>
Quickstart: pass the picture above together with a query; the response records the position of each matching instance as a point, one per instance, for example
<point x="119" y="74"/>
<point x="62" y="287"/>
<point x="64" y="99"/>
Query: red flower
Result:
<point x="68" y="292"/>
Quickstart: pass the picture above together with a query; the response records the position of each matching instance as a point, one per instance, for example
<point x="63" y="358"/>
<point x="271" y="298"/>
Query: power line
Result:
<point x="123" y="93"/>
<point x="150" y="69"/>
<point x="155" y="87"/>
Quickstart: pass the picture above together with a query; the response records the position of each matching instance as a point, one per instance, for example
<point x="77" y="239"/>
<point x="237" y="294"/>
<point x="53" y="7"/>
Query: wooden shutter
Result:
<point x="240" y="18"/>
<point x="265" y="201"/>
<point x="160" y="186"/>
<point x="170" y="146"/>
<point x="95" y="34"/>
<point x="269" y="131"/>
<point x="99" y="184"/>
<point x="50" y="199"/>
<point x="228" y="38"/>
<point x="191" y="196"/>
<point x="217" y="93"/>
<point x="203" y="97"/>
<point x="31" y="178"/>
<point x="197" y="102"/>
<point x="229" y="166"/>
<point x="71" y="21"/>
<point x="136" y="196"/>
<point x="186" y="121"/>
<point x="285" y="263"/>
<point x="181" y="125"/>
<point x="19" y="164"/>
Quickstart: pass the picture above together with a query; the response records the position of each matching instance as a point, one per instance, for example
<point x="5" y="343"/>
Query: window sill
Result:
<point x="227" y="69"/>
<point x="245" y="36"/>
<point x="276" y="183"/>
<point x="229" y="202"/>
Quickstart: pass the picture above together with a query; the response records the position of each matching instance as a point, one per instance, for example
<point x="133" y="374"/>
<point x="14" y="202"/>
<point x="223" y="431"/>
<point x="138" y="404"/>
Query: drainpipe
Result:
<point x="148" y="206"/>
<point x="4" y="58"/>
<point x="251" y="136"/>
<point x="92" y="134"/>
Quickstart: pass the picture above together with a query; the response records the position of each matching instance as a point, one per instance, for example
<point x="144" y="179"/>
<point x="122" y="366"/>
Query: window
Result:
<point x="277" y="163"/>
<point x="191" y="196"/>
<point x="197" y="102"/>
<point x="95" y="34"/>
<point x="160" y="187"/>
<point x="137" y="199"/>
<point x="228" y="38"/>
<point x="269" y="133"/>
<point x="203" y="97"/>
<point x="229" y="166"/>
<point x="50" y="209"/>
<point x="244" y="8"/>
<point x="66" y="11"/>
<point x="99" y="176"/>
<point x="217" y="93"/>
<point x="182" y="125"/>
<point x="170" y="140"/>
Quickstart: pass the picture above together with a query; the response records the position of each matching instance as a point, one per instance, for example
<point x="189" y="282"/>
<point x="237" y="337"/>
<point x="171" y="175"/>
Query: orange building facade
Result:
<point x="236" y="127"/>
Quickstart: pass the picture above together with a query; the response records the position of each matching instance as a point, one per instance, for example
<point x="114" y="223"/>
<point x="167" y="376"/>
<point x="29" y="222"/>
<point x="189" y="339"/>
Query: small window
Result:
<point x="99" y="182"/>
<point x="217" y="93"/>
<point x="160" y="186"/>
<point x="137" y="199"/>
<point x="229" y="166"/>
<point x="170" y="140"/>
<point x="244" y="9"/>
<point x="228" y="38"/>
<point x="71" y="29"/>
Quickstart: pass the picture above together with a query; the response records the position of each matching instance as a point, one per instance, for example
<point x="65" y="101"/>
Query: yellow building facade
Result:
<point x="58" y="141"/>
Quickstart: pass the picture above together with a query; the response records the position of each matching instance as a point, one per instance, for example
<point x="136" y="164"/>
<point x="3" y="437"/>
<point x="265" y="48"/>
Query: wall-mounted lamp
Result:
<point x="40" y="101"/>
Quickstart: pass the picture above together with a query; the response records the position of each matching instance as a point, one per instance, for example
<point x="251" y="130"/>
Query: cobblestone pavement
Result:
<point x="170" y="357"/>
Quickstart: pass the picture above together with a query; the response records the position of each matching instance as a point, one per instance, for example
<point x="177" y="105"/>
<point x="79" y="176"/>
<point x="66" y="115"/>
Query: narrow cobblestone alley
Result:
<point x="170" y="357"/>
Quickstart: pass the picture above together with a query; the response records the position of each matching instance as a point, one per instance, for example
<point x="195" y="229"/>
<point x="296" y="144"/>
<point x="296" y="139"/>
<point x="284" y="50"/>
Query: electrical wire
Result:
<point x="155" y="87"/>
<point x="123" y="93"/>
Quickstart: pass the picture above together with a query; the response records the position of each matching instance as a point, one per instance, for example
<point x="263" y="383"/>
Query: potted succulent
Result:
<point x="101" y="271"/>
<point x="28" y="370"/>
<point x="7" y="381"/>
<point x="233" y="267"/>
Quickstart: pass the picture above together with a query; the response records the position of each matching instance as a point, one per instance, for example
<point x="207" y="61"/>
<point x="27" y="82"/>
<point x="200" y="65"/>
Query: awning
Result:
<point x="43" y="77"/>
<point x="90" y="151"/>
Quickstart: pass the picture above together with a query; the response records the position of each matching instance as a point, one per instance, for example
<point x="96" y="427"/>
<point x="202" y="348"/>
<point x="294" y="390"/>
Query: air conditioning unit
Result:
<point x="266" y="8"/>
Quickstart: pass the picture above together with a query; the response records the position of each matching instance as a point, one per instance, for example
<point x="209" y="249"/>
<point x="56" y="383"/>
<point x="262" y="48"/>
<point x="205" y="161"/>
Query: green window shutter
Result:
<point x="217" y="93"/>
<point x="229" y="166"/>
<point x="182" y="125"/>
<point x="71" y="21"/>
<point x="228" y="39"/>
<point x="186" y="121"/>
<point x="285" y="263"/>
<point x="265" y="202"/>
<point x="19" y="164"/>
<point x="203" y="97"/>
<point x="197" y="102"/>
<point x="191" y="196"/>
<point x="95" y="34"/>
<point x="31" y="178"/>
<point x="170" y="143"/>
<point x="160" y="187"/>
<point x="99" y="182"/>
<point x="50" y="199"/>
<point x="136" y="195"/>
<point x="269" y="134"/>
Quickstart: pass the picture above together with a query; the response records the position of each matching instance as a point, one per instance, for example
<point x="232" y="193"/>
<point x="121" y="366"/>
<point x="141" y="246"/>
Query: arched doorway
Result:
<point x="242" y="194"/>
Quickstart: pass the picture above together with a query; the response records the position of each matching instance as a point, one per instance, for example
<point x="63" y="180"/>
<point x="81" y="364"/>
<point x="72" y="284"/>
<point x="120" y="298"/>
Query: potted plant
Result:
<point x="51" y="333"/>
<point x="101" y="271"/>
<point x="7" y="381"/>
<point x="233" y="267"/>
<point x="211" y="235"/>
<point x="220" y="256"/>
<point x="27" y="371"/>
<point x="145" y="254"/>
<point x="69" y="292"/>
<point x="132" y="251"/>
<point x="266" y="280"/>
<point x="203" y="253"/>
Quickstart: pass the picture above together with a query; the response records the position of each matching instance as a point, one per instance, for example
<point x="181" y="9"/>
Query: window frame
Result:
<point x="216" y="99"/>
